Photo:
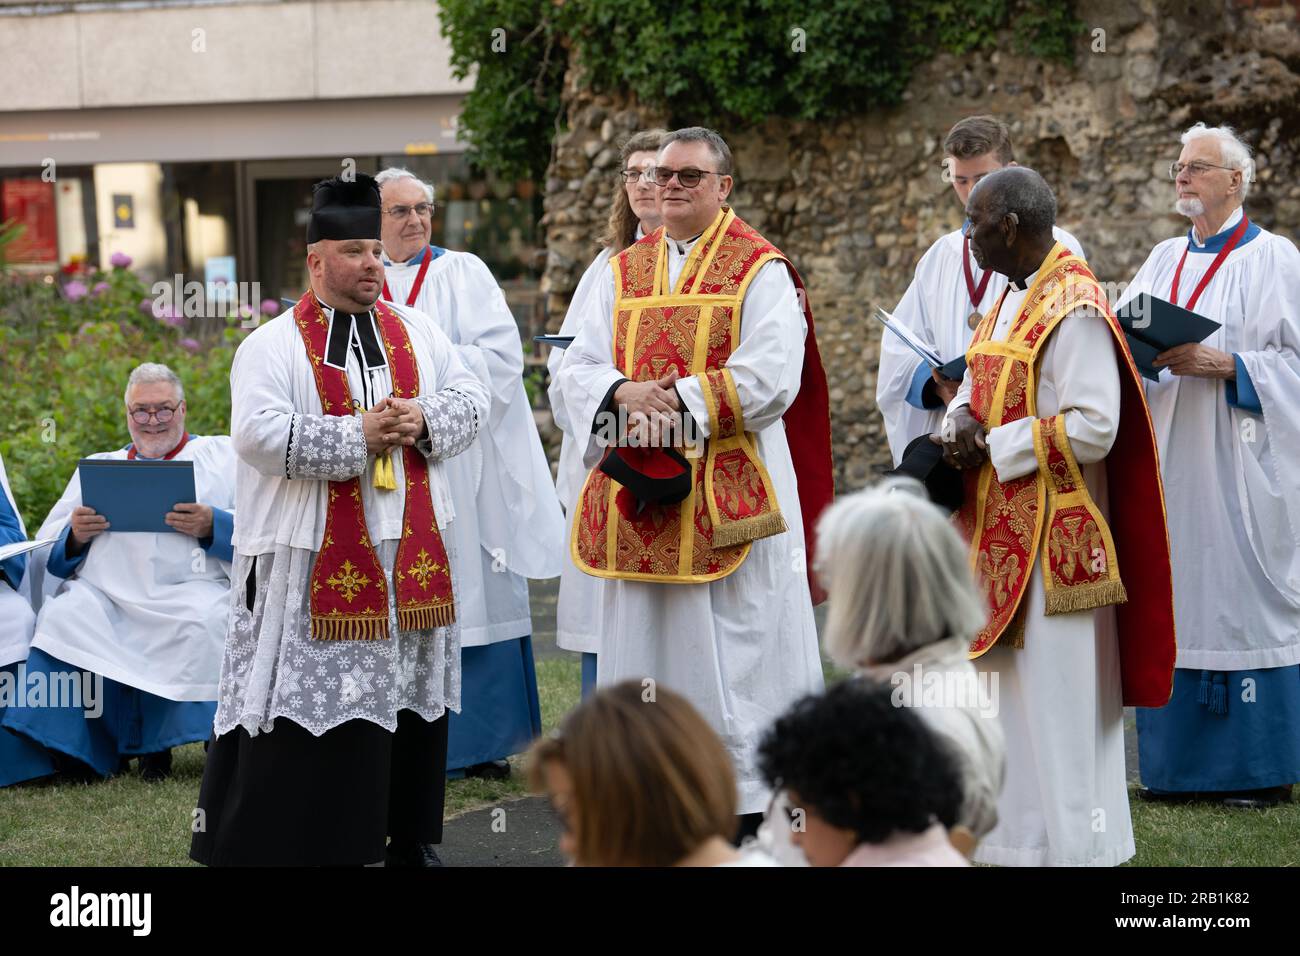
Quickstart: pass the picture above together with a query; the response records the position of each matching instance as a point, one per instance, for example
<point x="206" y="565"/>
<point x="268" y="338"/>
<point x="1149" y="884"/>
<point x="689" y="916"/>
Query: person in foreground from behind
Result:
<point x="638" y="778"/>
<point x="868" y="783"/>
<point x="904" y="606"/>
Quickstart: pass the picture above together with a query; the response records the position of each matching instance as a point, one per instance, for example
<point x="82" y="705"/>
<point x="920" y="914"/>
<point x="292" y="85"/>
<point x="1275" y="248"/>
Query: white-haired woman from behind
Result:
<point x="903" y="609"/>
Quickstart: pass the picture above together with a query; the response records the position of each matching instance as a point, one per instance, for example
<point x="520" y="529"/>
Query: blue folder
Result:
<point x="135" y="495"/>
<point x="558" y="341"/>
<point x="1152" y="326"/>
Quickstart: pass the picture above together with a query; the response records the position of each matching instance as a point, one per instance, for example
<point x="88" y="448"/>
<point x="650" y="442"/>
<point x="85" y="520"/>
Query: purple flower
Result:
<point x="146" y="306"/>
<point x="75" y="291"/>
<point x="270" y="307"/>
<point x="174" y="319"/>
<point x="99" y="288"/>
<point x="119" y="260"/>
<point x="189" y="345"/>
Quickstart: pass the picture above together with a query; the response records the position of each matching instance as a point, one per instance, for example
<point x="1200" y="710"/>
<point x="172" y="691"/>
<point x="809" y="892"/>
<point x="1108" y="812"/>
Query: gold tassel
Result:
<point x="1085" y="597"/>
<point x="349" y="629"/>
<point x="384" y="479"/>
<point x="731" y="533"/>
<point x="425" y="618"/>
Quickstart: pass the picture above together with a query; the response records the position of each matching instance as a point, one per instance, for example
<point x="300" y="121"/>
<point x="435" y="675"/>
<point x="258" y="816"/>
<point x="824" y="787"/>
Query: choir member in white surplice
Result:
<point x="145" y="612"/>
<point x="509" y="526"/>
<point x="1226" y="416"/>
<point x="20" y="758"/>
<point x="698" y="595"/>
<point x="947" y="296"/>
<point x="634" y="214"/>
<point x="342" y="658"/>
<point x="1063" y="508"/>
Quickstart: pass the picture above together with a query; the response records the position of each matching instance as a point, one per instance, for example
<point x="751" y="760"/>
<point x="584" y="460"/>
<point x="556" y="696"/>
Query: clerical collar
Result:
<point x="1216" y="242"/>
<point x="347" y="329"/>
<point x="683" y="246"/>
<point x="415" y="260"/>
<point x="1024" y="283"/>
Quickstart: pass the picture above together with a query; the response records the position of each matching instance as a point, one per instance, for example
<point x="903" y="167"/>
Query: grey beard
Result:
<point x="1189" y="207"/>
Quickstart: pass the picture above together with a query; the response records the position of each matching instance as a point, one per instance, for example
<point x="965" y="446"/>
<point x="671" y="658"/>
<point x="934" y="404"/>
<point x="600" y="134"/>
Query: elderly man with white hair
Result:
<point x="1227" y="421"/>
<point x="145" y="612"/>
<point x="508" y="526"/>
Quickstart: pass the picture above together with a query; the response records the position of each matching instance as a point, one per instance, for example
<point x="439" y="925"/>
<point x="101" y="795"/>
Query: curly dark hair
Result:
<point x="862" y="763"/>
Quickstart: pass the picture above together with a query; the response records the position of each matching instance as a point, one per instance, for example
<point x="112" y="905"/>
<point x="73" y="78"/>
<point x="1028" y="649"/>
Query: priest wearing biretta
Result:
<point x="342" y="658"/>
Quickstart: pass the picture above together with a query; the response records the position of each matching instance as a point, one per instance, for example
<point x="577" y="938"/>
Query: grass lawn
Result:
<point x="125" y="822"/>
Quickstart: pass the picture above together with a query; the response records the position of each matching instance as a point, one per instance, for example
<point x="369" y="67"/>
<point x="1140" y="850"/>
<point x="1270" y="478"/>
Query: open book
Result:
<point x="954" y="369"/>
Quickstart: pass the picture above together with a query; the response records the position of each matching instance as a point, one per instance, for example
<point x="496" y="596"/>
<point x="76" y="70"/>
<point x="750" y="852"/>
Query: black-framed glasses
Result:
<point x="689" y="177"/>
<point x="632" y="175"/>
<point x="1198" y="168"/>
<point x="423" y="209"/>
<point x="141" y="416"/>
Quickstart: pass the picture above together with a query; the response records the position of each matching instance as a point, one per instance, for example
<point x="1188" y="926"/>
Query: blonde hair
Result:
<point x="651" y="780"/>
<point x="897" y="572"/>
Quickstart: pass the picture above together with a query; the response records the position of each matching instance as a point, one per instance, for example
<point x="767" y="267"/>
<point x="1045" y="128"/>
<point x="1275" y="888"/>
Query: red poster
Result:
<point x="30" y="202"/>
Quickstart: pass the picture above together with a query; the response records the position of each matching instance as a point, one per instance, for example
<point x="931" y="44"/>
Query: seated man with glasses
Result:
<point x="141" y="615"/>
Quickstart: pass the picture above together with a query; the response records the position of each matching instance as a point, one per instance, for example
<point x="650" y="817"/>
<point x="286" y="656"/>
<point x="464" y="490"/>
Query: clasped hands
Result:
<point x="391" y="423"/>
<point x="653" y="419"/>
<point x="964" y="443"/>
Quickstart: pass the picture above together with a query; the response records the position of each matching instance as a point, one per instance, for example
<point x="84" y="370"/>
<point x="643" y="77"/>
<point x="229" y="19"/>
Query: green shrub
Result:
<point x="64" y="360"/>
<point x="720" y="65"/>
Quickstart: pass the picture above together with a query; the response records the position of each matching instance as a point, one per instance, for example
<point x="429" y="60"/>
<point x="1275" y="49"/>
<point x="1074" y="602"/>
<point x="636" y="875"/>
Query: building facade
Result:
<point x="187" y="134"/>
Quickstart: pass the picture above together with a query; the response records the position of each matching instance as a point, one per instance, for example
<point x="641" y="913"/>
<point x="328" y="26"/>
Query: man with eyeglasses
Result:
<point x="1226" y="413"/>
<point x="508" y="523"/>
<point x="145" y="612"/>
<point x="947" y="296"/>
<point x="696" y="377"/>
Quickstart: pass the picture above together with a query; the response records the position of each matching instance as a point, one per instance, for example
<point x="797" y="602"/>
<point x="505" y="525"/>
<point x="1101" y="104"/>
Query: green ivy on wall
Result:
<point x="713" y="63"/>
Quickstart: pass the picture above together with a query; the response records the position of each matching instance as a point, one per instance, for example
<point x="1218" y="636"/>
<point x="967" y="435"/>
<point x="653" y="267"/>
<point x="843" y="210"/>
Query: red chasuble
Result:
<point x="694" y="328"/>
<point x="349" y="590"/>
<point x="1049" y="515"/>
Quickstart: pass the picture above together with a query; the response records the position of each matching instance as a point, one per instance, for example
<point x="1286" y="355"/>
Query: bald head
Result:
<point x="1018" y="190"/>
<point x="1012" y="212"/>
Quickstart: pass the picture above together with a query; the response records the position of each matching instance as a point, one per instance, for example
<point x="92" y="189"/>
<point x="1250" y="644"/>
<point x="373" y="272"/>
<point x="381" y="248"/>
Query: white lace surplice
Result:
<point x="289" y="451"/>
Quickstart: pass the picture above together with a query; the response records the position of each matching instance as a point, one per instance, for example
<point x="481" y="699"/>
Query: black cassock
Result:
<point x="288" y="798"/>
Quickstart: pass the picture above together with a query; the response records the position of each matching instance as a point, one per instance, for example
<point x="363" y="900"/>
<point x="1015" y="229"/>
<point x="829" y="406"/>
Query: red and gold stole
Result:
<point x="694" y="327"/>
<point x="349" y="590"/>
<point x="1049" y="515"/>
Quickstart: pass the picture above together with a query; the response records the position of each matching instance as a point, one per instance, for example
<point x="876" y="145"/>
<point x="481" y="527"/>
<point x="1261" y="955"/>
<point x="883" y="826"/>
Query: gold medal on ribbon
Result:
<point x="973" y="320"/>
